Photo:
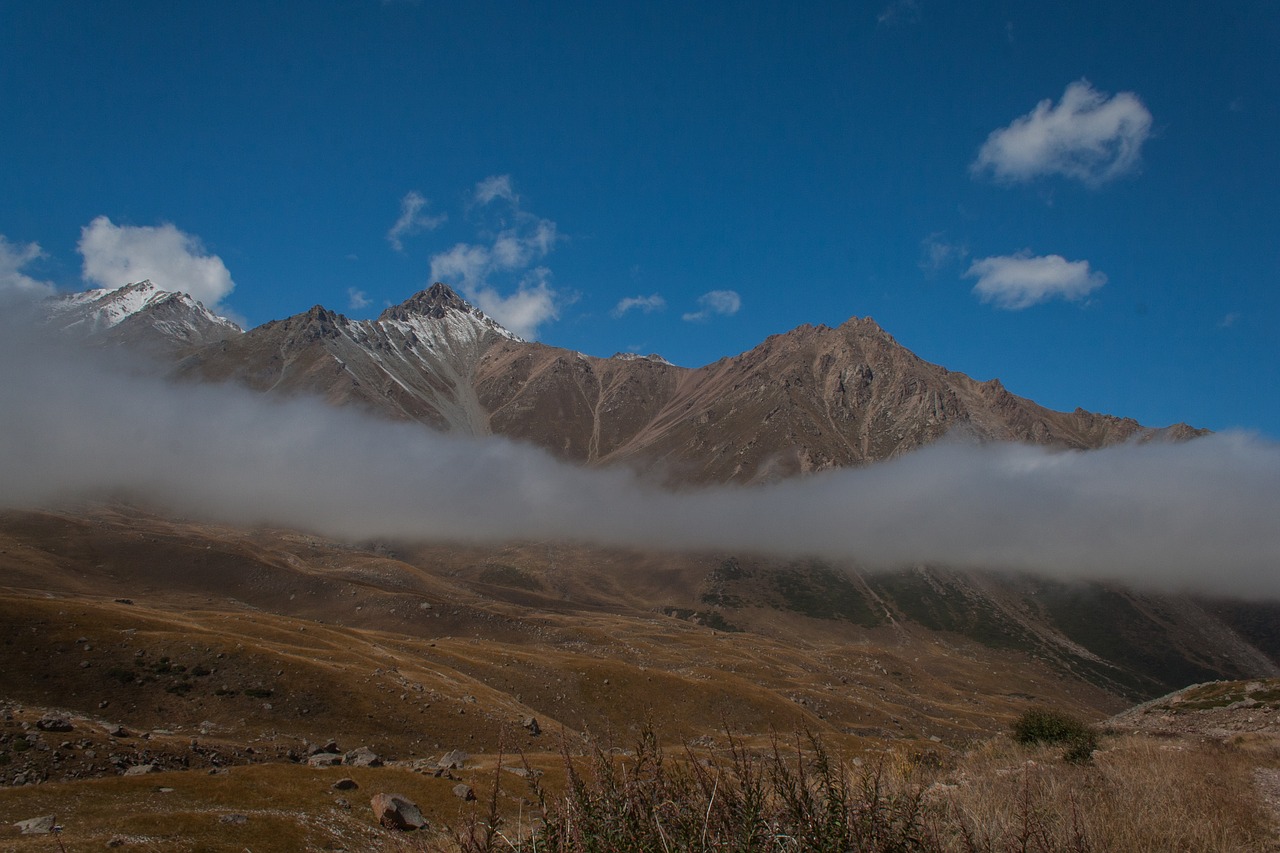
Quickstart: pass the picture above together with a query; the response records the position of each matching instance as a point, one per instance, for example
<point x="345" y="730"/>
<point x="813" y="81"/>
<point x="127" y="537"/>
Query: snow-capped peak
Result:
<point x="105" y="308"/>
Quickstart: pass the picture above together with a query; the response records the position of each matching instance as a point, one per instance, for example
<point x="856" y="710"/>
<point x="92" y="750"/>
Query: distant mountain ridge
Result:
<point x="142" y="315"/>
<point x="807" y="400"/>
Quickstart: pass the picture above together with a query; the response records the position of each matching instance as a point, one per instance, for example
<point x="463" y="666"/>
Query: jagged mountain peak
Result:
<point x="436" y="301"/>
<point x="441" y="302"/>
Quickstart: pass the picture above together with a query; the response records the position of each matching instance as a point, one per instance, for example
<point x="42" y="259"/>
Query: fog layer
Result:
<point x="1203" y="514"/>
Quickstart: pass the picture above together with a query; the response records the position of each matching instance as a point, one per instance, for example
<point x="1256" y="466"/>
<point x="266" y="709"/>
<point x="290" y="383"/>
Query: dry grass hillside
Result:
<point x="213" y="650"/>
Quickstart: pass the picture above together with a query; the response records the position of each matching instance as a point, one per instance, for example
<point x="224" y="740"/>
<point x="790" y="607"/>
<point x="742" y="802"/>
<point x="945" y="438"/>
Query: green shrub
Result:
<point x="1044" y="725"/>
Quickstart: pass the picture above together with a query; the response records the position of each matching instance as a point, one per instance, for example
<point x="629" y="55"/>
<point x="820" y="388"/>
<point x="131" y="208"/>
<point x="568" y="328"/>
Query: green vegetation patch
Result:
<point x="819" y="591"/>
<point x="1047" y="726"/>
<point x="710" y="618"/>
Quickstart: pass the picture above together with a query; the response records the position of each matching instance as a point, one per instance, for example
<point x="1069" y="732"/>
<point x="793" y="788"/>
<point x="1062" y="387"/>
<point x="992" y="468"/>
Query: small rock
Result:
<point x="341" y="803"/>
<point x="53" y="724"/>
<point x="117" y="731"/>
<point x="234" y="819"/>
<point x="331" y="746"/>
<point x="362" y="757"/>
<point x="142" y="769"/>
<point x="464" y="792"/>
<point x="36" y="825"/>
<point x="345" y="785"/>
<point x="324" y="759"/>
<point x="395" y="811"/>
<point x="454" y="760"/>
<point x="531" y="723"/>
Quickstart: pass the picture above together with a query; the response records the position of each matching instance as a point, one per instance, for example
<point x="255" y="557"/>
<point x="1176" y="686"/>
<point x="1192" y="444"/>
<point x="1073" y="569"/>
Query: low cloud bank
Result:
<point x="1200" y="515"/>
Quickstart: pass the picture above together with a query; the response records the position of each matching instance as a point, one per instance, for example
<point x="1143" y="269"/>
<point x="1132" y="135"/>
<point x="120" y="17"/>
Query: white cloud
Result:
<point x="532" y="304"/>
<point x="115" y="255"/>
<point x="412" y="220"/>
<point x="1229" y="320"/>
<point x="899" y="12"/>
<point x="495" y="186"/>
<point x="1014" y="282"/>
<point x="647" y="304"/>
<point x="509" y="251"/>
<point x="1087" y="136"/>
<point x="13" y="257"/>
<point x="715" y="302"/>
<point x="356" y="299"/>
<point x="1198" y="514"/>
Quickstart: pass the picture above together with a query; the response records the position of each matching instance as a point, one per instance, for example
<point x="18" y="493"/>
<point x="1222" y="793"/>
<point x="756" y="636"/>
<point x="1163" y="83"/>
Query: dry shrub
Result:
<point x="1139" y="795"/>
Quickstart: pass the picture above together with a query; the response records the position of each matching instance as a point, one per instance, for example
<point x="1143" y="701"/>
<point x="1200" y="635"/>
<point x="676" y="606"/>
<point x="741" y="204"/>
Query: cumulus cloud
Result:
<point x="1087" y="136"/>
<point x="13" y="258"/>
<point x="1199" y="515"/>
<point x="115" y="255"/>
<point x="645" y="304"/>
<point x="501" y="274"/>
<point x="713" y="303"/>
<point x="412" y="220"/>
<point x="1014" y="282"/>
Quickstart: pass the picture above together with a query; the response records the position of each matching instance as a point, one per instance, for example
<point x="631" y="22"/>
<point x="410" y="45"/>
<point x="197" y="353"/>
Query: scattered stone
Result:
<point x="464" y="792"/>
<point x="341" y="803"/>
<point x="142" y="769"/>
<point x="324" y="759"/>
<point x="116" y="841"/>
<point x="117" y="731"/>
<point x="234" y="819"/>
<point x="313" y="749"/>
<point x="453" y="760"/>
<point x="531" y="723"/>
<point x="346" y="784"/>
<point x="50" y="723"/>
<point x="362" y="757"/>
<point x="395" y="811"/>
<point x="36" y="825"/>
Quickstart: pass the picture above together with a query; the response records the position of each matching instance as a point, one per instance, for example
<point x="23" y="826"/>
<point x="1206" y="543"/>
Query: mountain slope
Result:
<point x="810" y="399"/>
<point x="140" y="315"/>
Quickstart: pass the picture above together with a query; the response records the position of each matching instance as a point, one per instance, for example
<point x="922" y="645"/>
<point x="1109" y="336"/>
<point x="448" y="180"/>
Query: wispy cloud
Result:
<point x="1229" y="320"/>
<point x="899" y="12"/>
<point x="13" y="258"/>
<point x="494" y="187"/>
<point x="714" y="303"/>
<point x="1014" y="282"/>
<point x="645" y="304"/>
<point x="1199" y="514"/>
<point x="937" y="253"/>
<point x="357" y="299"/>
<point x="116" y="255"/>
<point x="1086" y="136"/>
<point x="412" y="220"/>
<point x="510" y="252"/>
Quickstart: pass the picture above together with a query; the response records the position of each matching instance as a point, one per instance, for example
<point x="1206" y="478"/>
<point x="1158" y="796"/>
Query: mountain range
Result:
<point x="804" y="401"/>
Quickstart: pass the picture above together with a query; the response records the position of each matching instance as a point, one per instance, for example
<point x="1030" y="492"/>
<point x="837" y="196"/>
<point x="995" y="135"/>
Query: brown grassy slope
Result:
<point x="375" y="646"/>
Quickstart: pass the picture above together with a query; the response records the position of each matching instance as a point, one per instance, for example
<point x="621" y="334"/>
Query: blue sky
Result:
<point x="1077" y="198"/>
